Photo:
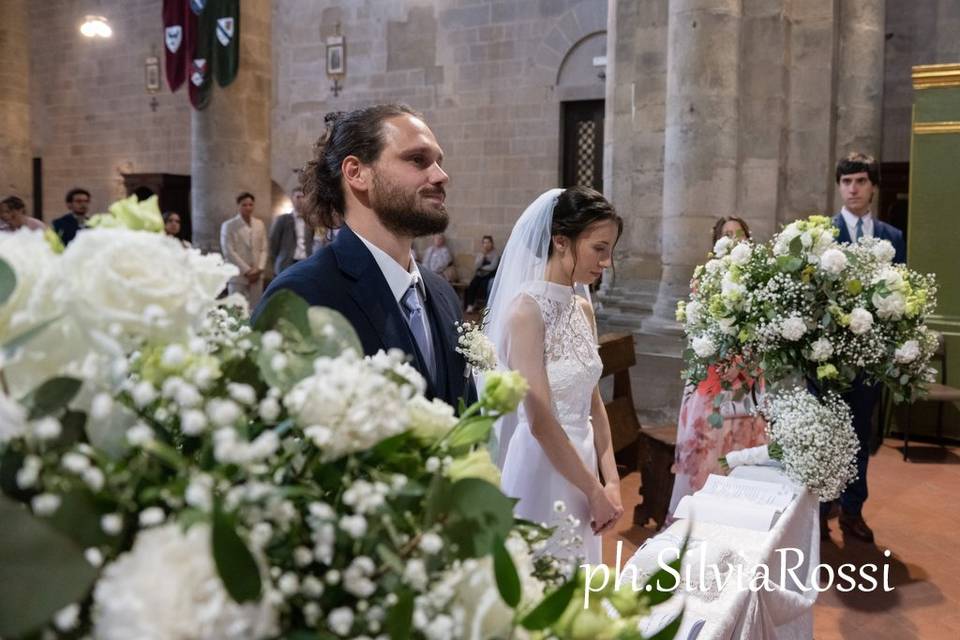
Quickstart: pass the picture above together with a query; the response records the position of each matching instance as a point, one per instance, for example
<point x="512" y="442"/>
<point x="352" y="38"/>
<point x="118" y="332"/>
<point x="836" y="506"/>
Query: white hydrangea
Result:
<point x="883" y="251"/>
<point x="167" y="586"/>
<point x="704" y="346"/>
<point x="833" y="261"/>
<point x="740" y="255"/>
<point x="721" y="246"/>
<point x="907" y="352"/>
<point x="793" y="328"/>
<point x="821" y="350"/>
<point x="360" y="399"/>
<point x="891" y="306"/>
<point x="693" y="310"/>
<point x="860" y="321"/>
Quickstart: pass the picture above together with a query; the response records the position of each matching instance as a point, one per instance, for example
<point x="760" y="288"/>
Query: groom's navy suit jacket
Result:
<point x="862" y="397"/>
<point x="345" y="277"/>
<point x="881" y="230"/>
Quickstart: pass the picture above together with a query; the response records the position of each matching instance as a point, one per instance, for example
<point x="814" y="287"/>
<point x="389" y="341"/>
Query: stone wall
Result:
<point x="90" y="116"/>
<point x="483" y="72"/>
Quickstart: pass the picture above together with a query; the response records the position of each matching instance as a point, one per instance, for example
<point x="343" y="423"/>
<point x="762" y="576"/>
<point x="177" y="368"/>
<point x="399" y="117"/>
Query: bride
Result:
<point x="560" y="446"/>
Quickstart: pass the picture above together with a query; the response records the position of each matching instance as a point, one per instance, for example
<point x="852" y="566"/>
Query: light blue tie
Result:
<point x="416" y="319"/>
<point x="859" y="229"/>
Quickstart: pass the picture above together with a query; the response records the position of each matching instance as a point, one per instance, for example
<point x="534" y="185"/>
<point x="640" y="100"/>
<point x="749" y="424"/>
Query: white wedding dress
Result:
<point x="573" y="369"/>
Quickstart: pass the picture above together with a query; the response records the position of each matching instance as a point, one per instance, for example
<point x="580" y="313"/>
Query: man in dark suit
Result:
<point x="378" y="169"/>
<point x="67" y="225"/>
<point x="291" y="236"/>
<point x="858" y="176"/>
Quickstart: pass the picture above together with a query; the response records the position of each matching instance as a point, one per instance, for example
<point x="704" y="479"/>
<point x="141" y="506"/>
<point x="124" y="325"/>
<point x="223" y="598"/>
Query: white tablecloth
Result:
<point x="784" y="613"/>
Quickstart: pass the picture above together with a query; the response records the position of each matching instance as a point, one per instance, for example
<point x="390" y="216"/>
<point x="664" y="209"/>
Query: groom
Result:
<point x="378" y="169"/>
<point x="858" y="176"/>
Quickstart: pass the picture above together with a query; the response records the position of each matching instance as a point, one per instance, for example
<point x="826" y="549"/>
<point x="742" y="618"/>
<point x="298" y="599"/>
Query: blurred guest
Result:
<point x="437" y="258"/>
<point x="700" y="443"/>
<point x="172" y="225"/>
<point x="243" y="241"/>
<point x="486" y="268"/>
<point x="13" y="213"/>
<point x="291" y="236"/>
<point x="67" y="225"/>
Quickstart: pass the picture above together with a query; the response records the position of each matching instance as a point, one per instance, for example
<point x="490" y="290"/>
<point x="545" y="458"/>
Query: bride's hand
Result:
<point x="605" y="508"/>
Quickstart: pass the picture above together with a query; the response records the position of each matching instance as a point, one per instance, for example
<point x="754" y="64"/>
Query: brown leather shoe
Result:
<point x="856" y="527"/>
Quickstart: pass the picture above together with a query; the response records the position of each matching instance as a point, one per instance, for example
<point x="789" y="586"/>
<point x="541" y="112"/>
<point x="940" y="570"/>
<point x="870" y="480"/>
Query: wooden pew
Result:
<point x="617" y="354"/>
<point x="647" y="449"/>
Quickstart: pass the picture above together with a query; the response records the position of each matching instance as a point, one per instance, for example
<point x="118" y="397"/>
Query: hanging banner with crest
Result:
<point x="226" y="15"/>
<point x="200" y="52"/>
<point x="175" y="37"/>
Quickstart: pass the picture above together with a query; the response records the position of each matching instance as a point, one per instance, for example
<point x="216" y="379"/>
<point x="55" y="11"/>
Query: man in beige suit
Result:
<point x="243" y="241"/>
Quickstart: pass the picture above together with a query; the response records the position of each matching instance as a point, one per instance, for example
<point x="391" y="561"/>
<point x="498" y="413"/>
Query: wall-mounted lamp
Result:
<point x="96" y="27"/>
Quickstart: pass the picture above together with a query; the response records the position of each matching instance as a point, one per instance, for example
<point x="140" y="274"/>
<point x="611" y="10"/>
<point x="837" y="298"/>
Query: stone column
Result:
<point x="700" y="147"/>
<point x="860" y="79"/>
<point x="15" y="152"/>
<point x="231" y="137"/>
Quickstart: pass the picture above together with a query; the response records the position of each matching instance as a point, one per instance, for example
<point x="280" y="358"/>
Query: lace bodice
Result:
<point x="570" y="351"/>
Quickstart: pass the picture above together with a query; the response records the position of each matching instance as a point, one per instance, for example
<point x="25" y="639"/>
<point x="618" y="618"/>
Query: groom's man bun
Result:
<point x="348" y="133"/>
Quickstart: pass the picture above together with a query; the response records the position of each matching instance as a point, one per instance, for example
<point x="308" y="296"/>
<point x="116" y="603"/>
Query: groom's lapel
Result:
<point x="369" y="289"/>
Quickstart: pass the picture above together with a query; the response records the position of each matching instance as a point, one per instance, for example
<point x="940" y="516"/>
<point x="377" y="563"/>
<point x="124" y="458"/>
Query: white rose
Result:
<point x="793" y="328"/>
<point x="907" y="352"/>
<point x="30" y="257"/>
<point x="781" y="245"/>
<point x="728" y="325"/>
<point x="824" y="242"/>
<point x="883" y="251"/>
<point x="741" y="253"/>
<point x="140" y="281"/>
<point x="860" y="321"/>
<point x="167" y="586"/>
<point x="704" y="346"/>
<point x="821" y="350"/>
<point x="430" y="420"/>
<point x="833" y="261"/>
<point x="891" y="277"/>
<point x="721" y="247"/>
<point x="486" y="614"/>
<point x="890" y="307"/>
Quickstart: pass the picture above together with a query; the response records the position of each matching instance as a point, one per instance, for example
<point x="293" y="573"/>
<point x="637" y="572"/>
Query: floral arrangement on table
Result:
<point x="170" y="471"/>
<point x="804" y="307"/>
<point x="811" y="437"/>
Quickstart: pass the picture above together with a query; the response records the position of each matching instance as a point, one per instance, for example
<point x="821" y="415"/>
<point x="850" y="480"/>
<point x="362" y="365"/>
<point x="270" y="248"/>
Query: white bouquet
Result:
<point x="814" y="441"/>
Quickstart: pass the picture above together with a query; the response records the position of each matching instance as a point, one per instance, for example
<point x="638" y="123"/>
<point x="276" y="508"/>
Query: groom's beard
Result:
<point x="406" y="214"/>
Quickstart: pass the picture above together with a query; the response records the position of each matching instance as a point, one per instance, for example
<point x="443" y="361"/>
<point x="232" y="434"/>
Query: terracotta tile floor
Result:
<point x="914" y="510"/>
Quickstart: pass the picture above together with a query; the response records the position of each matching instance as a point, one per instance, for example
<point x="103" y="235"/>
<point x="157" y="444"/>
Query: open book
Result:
<point x="737" y="502"/>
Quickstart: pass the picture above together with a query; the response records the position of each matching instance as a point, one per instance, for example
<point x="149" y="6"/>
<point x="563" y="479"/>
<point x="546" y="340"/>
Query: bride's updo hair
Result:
<point x="577" y="208"/>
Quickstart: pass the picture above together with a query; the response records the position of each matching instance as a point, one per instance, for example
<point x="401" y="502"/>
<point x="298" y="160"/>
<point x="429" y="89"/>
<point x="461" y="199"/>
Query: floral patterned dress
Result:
<point x="701" y="445"/>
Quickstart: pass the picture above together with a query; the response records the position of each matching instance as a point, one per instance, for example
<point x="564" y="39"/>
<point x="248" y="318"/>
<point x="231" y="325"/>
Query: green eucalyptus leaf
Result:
<point x="51" y="397"/>
<point x="661" y="585"/>
<point x="332" y="332"/>
<point x="470" y="432"/>
<point x="400" y="617"/>
<point x="79" y="519"/>
<point x="508" y="582"/>
<point x="12" y="346"/>
<point x="8" y="281"/>
<point x="550" y="608"/>
<point x="236" y="565"/>
<point x="478" y="513"/>
<point x="41" y="571"/>
<point x="283" y="305"/>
